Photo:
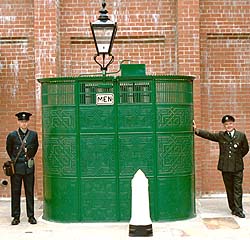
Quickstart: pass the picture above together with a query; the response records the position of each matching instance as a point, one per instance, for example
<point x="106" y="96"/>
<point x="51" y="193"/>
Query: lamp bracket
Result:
<point x="104" y="66"/>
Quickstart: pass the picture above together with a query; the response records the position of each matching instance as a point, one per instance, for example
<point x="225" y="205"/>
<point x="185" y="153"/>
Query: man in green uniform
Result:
<point x="233" y="147"/>
<point x="21" y="146"/>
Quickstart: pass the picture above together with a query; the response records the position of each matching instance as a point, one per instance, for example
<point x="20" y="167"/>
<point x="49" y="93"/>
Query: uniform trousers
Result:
<point x="233" y="184"/>
<point x="16" y="187"/>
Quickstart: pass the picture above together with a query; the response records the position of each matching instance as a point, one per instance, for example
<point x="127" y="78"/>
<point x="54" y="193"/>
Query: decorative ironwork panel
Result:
<point x="175" y="153"/>
<point x="135" y="92"/>
<point x="97" y="155"/>
<point x="98" y="199"/>
<point x="125" y="198"/>
<point x="59" y="94"/>
<point x="136" y="118"/>
<point x="176" y="199"/>
<point x="59" y="119"/>
<point x="174" y="117"/>
<point x="59" y="192"/>
<point x="174" y="92"/>
<point x="97" y="118"/>
<point x="59" y="154"/>
<point x="136" y="151"/>
<point x="88" y="91"/>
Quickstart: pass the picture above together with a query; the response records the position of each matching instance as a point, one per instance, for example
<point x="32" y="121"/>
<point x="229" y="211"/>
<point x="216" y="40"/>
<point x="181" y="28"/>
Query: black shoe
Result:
<point x="15" y="221"/>
<point x="32" y="220"/>
<point x="239" y="214"/>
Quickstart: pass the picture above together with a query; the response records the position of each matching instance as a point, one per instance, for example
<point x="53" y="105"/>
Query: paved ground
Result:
<point x="213" y="221"/>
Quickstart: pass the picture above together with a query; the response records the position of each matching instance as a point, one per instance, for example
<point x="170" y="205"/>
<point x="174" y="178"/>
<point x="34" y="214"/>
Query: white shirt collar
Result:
<point x="232" y="133"/>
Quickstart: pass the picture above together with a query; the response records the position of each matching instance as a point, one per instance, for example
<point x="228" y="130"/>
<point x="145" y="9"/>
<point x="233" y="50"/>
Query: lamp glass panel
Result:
<point x="103" y="37"/>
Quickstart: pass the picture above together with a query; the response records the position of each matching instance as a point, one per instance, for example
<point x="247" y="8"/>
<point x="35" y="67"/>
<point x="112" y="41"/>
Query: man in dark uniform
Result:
<point x="233" y="147"/>
<point x="24" y="166"/>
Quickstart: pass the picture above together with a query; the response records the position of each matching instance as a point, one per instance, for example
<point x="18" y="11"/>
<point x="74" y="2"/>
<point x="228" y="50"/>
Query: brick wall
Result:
<point x="146" y="34"/>
<point x="225" y="59"/>
<point x="206" y="39"/>
<point x="16" y="69"/>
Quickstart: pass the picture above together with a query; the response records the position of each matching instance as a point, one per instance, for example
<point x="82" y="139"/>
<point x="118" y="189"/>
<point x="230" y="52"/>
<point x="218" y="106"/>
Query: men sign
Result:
<point x="104" y="99"/>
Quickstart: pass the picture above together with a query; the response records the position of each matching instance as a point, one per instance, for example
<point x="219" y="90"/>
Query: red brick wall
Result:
<point x="17" y="73"/>
<point x="225" y="68"/>
<point x="206" y="39"/>
<point x="188" y="50"/>
<point x="146" y="34"/>
<point x="47" y="62"/>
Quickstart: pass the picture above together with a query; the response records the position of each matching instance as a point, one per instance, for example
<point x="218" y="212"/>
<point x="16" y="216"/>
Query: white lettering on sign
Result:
<point x="105" y="99"/>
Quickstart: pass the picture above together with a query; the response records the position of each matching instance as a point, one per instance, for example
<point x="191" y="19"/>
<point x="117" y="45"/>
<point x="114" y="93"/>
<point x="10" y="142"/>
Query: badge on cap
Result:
<point x="23" y="116"/>
<point x="227" y="118"/>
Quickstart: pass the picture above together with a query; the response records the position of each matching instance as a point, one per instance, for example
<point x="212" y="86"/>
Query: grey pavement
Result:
<point x="213" y="221"/>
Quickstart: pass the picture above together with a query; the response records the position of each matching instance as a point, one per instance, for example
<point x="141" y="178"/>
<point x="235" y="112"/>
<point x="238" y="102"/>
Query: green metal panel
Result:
<point x="91" y="152"/>
<point x="133" y="70"/>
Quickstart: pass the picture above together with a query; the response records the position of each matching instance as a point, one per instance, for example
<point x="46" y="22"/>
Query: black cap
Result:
<point x="23" y="116"/>
<point x="227" y="118"/>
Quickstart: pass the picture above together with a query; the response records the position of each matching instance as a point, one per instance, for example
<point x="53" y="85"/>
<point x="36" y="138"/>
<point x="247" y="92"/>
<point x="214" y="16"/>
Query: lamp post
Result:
<point x="104" y="31"/>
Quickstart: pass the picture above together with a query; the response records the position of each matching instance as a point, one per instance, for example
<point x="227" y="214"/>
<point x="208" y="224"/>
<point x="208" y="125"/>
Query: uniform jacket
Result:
<point x="232" y="150"/>
<point x="13" y="145"/>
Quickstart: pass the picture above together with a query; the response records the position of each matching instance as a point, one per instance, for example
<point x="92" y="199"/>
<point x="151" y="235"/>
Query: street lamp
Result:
<point x="104" y="31"/>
